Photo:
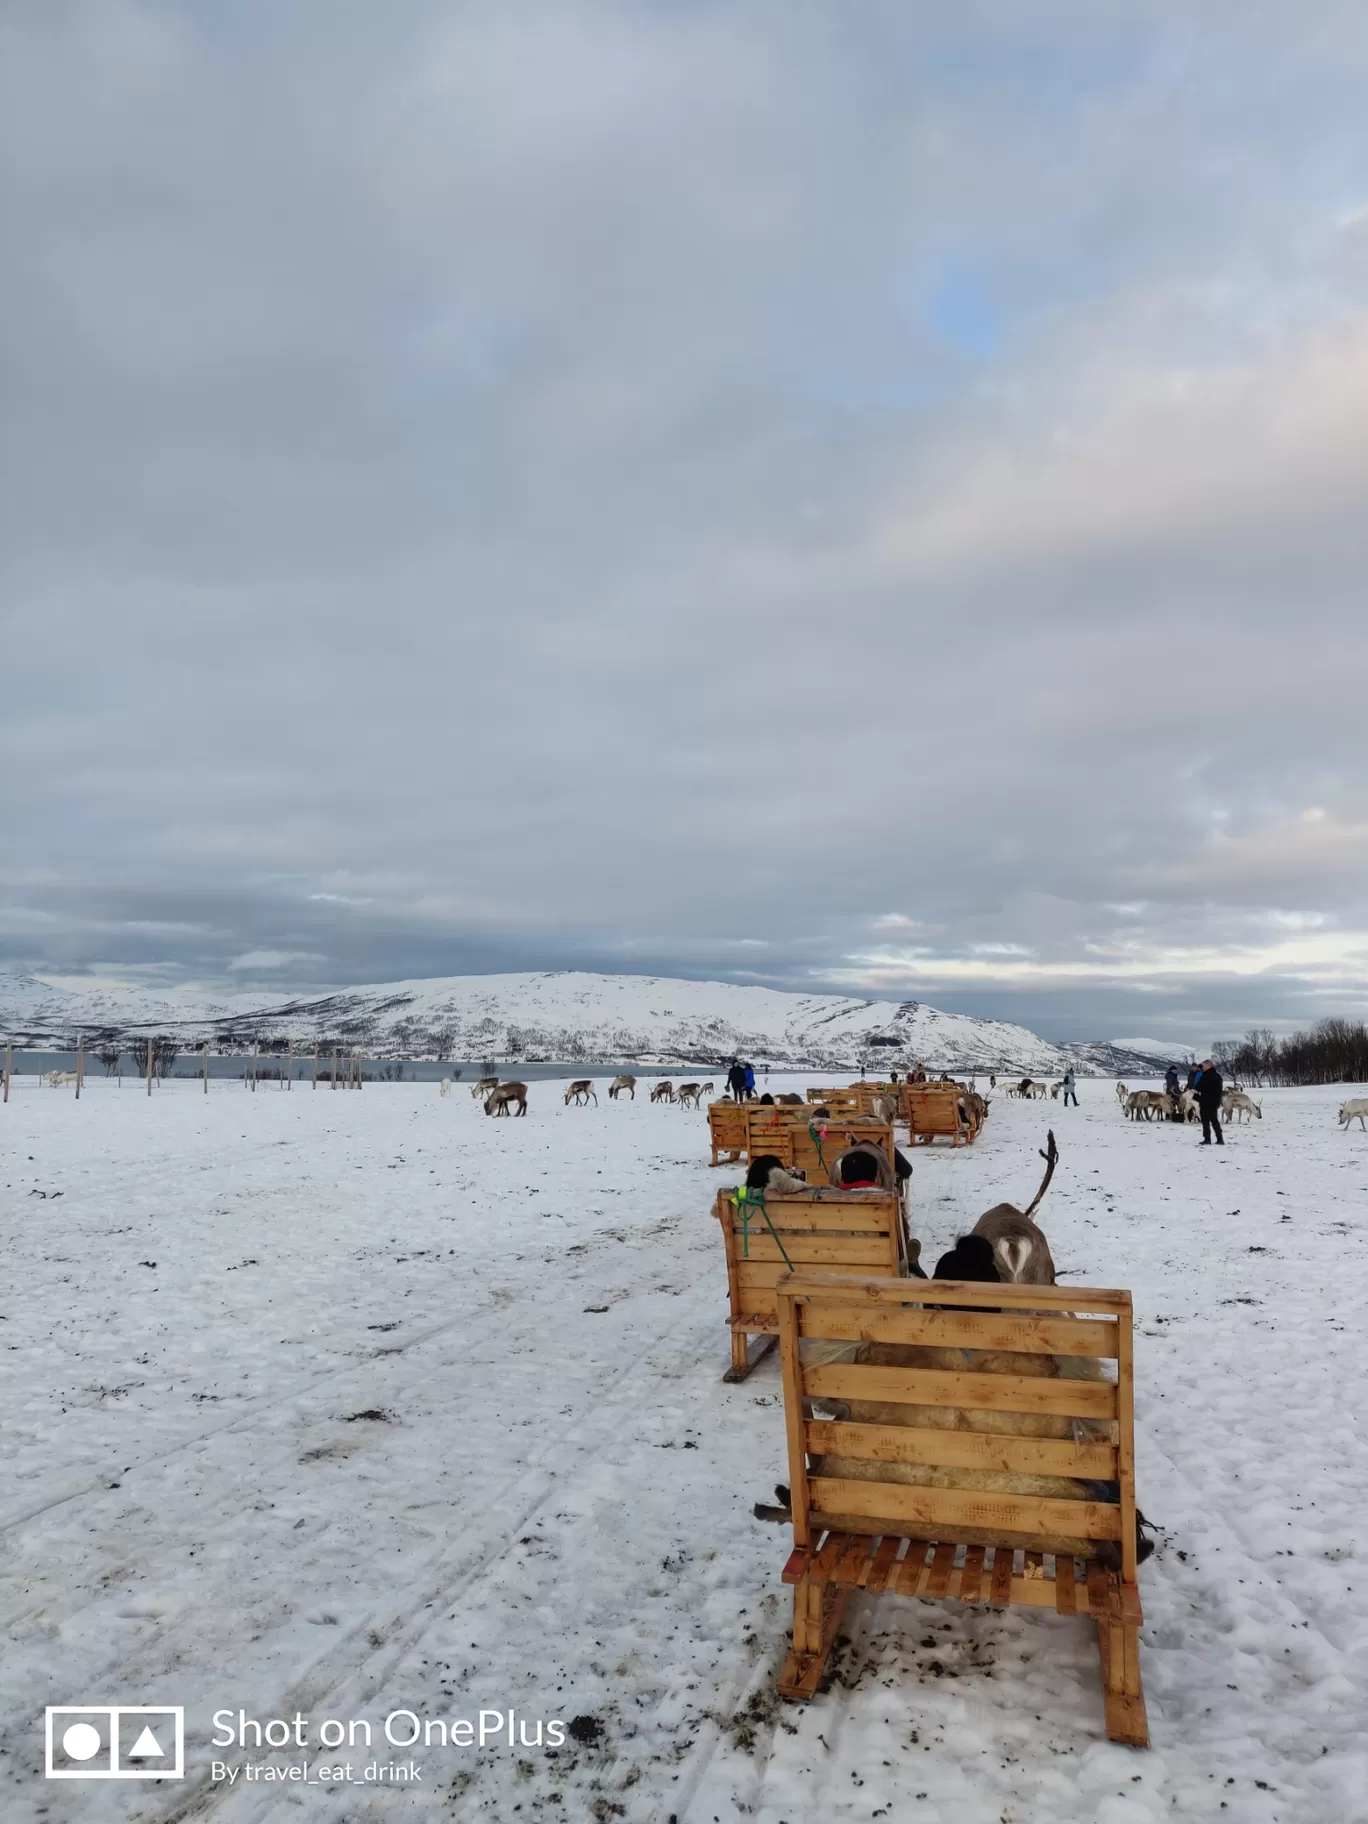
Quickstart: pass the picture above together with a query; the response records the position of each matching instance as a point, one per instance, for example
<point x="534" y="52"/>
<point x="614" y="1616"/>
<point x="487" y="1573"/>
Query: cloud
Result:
<point x="254" y="960"/>
<point x="563" y="485"/>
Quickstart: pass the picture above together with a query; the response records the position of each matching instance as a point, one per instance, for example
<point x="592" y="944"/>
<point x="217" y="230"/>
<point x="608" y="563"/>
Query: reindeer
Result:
<point x="1036" y="1090"/>
<point x="57" y="1078"/>
<point x="1236" y="1102"/>
<point x="481" y="1089"/>
<point x="1353" y="1111"/>
<point x="706" y="1091"/>
<point x="624" y="1086"/>
<point x="663" y="1092"/>
<point x="503" y="1094"/>
<point x="885" y="1108"/>
<point x="1121" y="1094"/>
<point x="1019" y="1248"/>
<point x="788" y="1100"/>
<point x="580" y="1091"/>
<point x="688" y="1095"/>
<point x="446" y="1087"/>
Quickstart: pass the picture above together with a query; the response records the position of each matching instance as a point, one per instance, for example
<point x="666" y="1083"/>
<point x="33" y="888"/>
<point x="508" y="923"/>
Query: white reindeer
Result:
<point x="1351" y="1111"/>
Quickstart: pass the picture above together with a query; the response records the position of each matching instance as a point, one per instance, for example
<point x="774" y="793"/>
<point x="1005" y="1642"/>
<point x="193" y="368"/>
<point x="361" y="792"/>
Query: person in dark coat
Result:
<point x="1210" y="1087"/>
<point x="1171" y="1080"/>
<point x="736" y="1081"/>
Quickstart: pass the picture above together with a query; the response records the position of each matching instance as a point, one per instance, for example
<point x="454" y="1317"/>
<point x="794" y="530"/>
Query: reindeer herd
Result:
<point x="1159" y="1105"/>
<point x="510" y="1098"/>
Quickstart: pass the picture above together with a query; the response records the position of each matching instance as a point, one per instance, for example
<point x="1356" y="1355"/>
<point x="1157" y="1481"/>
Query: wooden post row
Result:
<point x="80" y="1066"/>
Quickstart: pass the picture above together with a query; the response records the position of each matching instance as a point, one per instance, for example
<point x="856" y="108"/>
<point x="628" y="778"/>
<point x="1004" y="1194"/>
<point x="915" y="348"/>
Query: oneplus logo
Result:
<point x="115" y="1742"/>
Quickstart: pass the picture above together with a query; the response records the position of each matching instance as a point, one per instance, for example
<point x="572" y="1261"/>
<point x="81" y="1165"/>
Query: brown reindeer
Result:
<point x="688" y="1095"/>
<point x="1020" y="1249"/>
<point x="503" y="1095"/>
<point x="580" y="1091"/>
<point x="663" y="1092"/>
<point x="481" y="1089"/>
<point x="621" y="1086"/>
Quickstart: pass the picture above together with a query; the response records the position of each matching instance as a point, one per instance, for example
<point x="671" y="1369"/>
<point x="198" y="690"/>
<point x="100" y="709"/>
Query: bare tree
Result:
<point x="109" y="1057"/>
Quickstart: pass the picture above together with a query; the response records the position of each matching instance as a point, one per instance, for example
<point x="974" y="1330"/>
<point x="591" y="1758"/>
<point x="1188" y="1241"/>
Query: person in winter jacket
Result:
<point x="736" y="1080"/>
<point x="1210" y="1087"/>
<point x="1171" y="1080"/>
<point x="750" y="1079"/>
<point x="1069" y="1089"/>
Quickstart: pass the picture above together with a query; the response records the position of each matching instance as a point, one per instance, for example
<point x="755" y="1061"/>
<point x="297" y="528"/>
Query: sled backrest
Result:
<point x="972" y="1407"/>
<point x="822" y="1231"/>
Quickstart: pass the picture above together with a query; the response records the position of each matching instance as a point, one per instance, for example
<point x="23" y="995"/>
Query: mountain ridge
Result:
<point x="559" y="1016"/>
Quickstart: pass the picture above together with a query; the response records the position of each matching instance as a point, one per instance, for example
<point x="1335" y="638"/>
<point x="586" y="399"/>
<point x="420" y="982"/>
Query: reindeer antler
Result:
<point x="1051" y="1158"/>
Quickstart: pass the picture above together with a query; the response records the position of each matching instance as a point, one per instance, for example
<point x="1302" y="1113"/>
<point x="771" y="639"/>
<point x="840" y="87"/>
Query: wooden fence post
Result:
<point x="315" y="1067"/>
<point x="80" y="1066"/>
<point x="333" y="1079"/>
<point x="254" y="1069"/>
<point x="9" y="1060"/>
<point x="206" y="1067"/>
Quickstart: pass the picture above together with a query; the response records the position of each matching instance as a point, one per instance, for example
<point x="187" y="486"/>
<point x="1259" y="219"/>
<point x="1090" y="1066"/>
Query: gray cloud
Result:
<point x="733" y="490"/>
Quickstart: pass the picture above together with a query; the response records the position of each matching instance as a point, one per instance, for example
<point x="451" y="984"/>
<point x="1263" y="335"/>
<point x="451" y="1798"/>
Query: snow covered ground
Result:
<point x="549" y="1508"/>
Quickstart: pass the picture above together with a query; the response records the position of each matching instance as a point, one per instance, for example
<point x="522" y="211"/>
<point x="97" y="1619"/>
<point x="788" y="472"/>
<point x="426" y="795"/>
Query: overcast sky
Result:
<point x="868" y="496"/>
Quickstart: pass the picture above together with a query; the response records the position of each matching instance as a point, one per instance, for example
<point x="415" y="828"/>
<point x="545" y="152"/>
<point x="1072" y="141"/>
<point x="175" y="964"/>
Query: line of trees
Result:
<point x="1333" y="1051"/>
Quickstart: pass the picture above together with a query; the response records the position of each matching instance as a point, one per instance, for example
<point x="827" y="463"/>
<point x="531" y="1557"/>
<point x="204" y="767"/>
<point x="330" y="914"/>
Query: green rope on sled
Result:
<point x="745" y="1200"/>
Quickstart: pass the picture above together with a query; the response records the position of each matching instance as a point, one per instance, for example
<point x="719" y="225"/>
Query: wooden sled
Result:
<point x="823" y="1230"/>
<point x="727" y="1131"/>
<point x="964" y="1543"/>
<point x="934" y="1113"/>
<point x="808" y="1145"/>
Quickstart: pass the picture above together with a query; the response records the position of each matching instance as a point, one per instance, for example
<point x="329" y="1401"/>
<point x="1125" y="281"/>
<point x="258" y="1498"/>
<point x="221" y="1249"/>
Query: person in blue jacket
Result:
<point x="750" y="1079"/>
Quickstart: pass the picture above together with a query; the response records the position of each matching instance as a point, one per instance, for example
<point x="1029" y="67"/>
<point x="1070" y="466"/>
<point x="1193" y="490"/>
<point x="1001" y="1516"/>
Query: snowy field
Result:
<point x="548" y="1508"/>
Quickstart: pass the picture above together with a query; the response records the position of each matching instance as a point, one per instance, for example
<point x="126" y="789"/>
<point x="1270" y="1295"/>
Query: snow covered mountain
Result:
<point x="561" y="1015"/>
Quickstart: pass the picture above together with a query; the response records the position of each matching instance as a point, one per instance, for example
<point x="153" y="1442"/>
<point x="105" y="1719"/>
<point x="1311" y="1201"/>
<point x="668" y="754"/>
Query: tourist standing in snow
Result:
<point x="1209" y="1086"/>
<point x="1171" y="1080"/>
<point x="1070" y="1089"/>
<point x="748" y="1078"/>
